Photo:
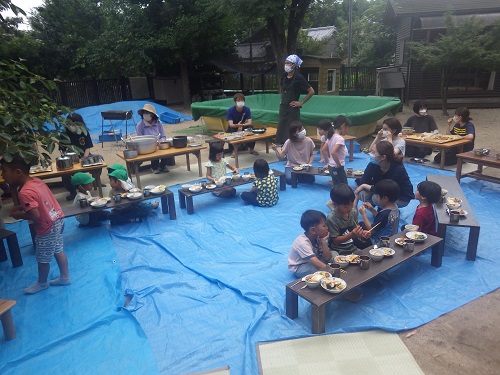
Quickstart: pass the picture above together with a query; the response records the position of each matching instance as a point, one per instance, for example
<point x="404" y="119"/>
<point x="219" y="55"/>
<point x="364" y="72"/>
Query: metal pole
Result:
<point x="349" y="41"/>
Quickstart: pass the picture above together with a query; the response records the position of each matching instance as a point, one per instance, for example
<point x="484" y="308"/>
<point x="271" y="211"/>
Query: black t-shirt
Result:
<point x="81" y="140"/>
<point x="291" y="88"/>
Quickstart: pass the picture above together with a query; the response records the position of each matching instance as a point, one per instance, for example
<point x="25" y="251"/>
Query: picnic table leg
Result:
<point x="14" y="251"/>
<point x="438" y="250"/>
<point x="190" y="208"/>
<point x="282" y="182"/>
<point x="8" y="325"/>
<point x="188" y="164"/>
<point x="267" y="146"/>
<point x="198" y="155"/>
<point x="294" y="180"/>
<point x="171" y="206"/>
<point x="137" y="176"/>
<point x="182" y="200"/>
<point x="472" y="244"/>
<point x="351" y="149"/>
<point x="318" y="318"/>
<point x="236" y="163"/>
<point x="292" y="304"/>
<point x="443" y="156"/>
<point x="459" y="169"/>
<point x="95" y="173"/>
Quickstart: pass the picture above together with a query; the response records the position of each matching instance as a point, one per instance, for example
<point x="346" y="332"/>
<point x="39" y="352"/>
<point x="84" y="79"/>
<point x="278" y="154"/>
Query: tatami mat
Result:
<point x="371" y="352"/>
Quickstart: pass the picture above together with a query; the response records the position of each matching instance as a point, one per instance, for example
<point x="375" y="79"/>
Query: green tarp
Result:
<point x="361" y="110"/>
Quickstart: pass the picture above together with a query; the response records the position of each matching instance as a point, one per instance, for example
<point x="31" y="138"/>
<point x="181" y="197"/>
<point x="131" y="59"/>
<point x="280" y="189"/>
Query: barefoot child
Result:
<point x="264" y="191"/>
<point x="216" y="169"/>
<point x="37" y="203"/>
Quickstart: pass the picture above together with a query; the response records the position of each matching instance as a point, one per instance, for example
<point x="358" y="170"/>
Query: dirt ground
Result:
<point x="464" y="341"/>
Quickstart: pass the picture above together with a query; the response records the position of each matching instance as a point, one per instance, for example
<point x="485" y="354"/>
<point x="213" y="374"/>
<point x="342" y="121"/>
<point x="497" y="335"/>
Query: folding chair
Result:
<point x="115" y="115"/>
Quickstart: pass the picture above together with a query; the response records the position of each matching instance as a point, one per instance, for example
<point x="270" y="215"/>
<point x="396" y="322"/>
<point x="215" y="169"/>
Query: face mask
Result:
<point x="373" y="160"/>
<point x="386" y="133"/>
<point x="422" y="112"/>
<point x="288" y="68"/>
<point x="376" y="199"/>
<point x="455" y="118"/>
<point x="301" y="134"/>
<point x="147" y="117"/>
<point x="240" y="104"/>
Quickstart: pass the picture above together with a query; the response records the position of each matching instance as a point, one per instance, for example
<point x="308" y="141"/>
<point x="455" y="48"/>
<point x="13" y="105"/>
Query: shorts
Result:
<point x="50" y="243"/>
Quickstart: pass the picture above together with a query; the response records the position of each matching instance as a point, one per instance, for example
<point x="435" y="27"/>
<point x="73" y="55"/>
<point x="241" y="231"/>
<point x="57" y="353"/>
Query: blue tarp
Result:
<point x="207" y="287"/>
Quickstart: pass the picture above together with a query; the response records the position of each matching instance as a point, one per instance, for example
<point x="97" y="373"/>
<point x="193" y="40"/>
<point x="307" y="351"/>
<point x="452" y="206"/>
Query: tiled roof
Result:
<point x="320" y="33"/>
<point x="401" y="8"/>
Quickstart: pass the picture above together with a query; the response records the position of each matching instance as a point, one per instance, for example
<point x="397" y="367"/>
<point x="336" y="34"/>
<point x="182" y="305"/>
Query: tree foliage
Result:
<point x="468" y="44"/>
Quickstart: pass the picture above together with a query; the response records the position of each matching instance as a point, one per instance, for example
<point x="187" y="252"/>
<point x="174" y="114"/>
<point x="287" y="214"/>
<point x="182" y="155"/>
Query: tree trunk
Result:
<point x="276" y="29"/>
<point x="185" y="84"/>
<point x="444" y="92"/>
<point x="298" y="10"/>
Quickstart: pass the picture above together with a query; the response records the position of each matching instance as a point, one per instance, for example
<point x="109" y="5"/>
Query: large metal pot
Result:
<point x="144" y="144"/>
<point x="73" y="156"/>
<point x="179" y="141"/>
<point x="63" y="162"/>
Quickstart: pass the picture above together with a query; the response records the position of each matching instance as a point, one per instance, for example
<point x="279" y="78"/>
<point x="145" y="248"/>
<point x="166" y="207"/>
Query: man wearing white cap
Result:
<point x="291" y="86"/>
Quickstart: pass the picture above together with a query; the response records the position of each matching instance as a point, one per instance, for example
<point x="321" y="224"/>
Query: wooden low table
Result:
<point x="162" y="154"/>
<point x="267" y="136"/>
<point x="443" y="147"/>
<point x="186" y="196"/>
<point x="314" y="171"/>
<point x="350" y="138"/>
<point x="481" y="161"/>
<point x="166" y="199"/>
<point x="454" y="190"/>
<point x="354" y="277"/>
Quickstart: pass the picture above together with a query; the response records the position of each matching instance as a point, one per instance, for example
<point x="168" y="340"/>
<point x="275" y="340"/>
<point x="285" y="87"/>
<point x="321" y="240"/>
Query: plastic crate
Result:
<point x="170" y="118"/>
<point x="111" y="136"/>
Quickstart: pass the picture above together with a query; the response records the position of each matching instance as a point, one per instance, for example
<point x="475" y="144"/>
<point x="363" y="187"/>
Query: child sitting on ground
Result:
<point x="264" y="191"/>
<point x="38" y="204"/>
<point x="386" y="219"/>
<point x="126" y="213"/>
<point x="83" y="184"/>
<point x="216" y="169"/>
<point x="114" y="167"/>
<point x="427" y="194"/>
<point x="342" y="222"/>
<point x="310" y="252"/>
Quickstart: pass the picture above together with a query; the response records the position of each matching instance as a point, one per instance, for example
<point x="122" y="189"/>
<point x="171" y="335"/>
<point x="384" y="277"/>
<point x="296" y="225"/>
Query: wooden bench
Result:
<point x="454" y="190"/>
<point x="13" y="245"/>
<point x="166" y="199"/>
<point x="481" y="161"/>
<point x="6" y="318"/>
<point x="186" y="196"/>
<point x="354" y="277"/>
<point x="350" y="138"/>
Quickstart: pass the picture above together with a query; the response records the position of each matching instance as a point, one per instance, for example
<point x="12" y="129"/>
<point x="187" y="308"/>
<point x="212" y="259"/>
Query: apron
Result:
<point x="287" y="114"/>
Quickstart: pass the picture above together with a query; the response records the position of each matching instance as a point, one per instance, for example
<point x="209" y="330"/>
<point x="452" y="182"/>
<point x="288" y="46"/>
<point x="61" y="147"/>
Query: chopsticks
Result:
<point x="376" y="225"/>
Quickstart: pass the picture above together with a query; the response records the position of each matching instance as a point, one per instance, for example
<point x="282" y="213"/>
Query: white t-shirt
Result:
<point x="341" y="152"/>
<point x="302" y="250"/>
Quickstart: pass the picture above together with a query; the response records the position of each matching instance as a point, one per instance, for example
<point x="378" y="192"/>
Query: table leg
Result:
<point x="459" y="169"/>
<point x="237" y="164"/>
<point x="351" y="149"/>
<point x="8" y="325"/>
<point x="171" y="207"/>
<point x="294" y="180"/>
<point x="198" y="155"/>
<point x="164" y="205"/>
<point x="443" y="156"/>
<point x="182" y="200"/>
<point x="292" y="304"/>
<point x="318" y="318"/>
<point x="187" y="162"/>
<point x="282" y="182"/>
<point x="267" y="146"/>
<point x="14" y="251"/>
<point x="190" y="208"/>
<point x="438" y="250"/>
<point x="95" y="173"/>
<point x="137" y="175"/>
<point x="472" y="244"/>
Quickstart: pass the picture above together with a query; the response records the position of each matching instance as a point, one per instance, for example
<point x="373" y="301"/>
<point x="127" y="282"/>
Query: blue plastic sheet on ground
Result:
<point x="93" y="119"/>
<point x="77" y="329"/>
<point x="207" y="287"/>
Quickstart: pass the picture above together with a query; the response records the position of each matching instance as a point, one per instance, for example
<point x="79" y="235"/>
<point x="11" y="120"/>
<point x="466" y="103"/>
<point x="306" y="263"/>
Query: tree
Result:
<point x="469" y="44"/>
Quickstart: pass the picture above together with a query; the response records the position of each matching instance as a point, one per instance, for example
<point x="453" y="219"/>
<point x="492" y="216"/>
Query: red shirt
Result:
<point x="35" y="194"/>
<point x="425" y="219"/>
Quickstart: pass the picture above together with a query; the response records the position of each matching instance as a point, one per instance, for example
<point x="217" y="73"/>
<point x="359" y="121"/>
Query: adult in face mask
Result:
<point x="384" y="164"/>
<point x="292" y="84"/>
<point x="239" y="118"/>
<point x="421" y="122"/>
<point x="298" y="150"/>
<point x="151" y="125"/>
<point x="391" y="128"/>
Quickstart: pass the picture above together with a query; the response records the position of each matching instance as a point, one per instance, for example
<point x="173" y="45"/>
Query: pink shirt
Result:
<point x="298" y="153"/>
<point x="341" y="152"/>
<point x="35" y="194"/>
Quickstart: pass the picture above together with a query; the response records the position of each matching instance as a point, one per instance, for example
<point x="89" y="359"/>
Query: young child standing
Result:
<point x="427" y="194"/>
<point x="38" y="204"/>
<point x="264" y="191"/>
<point x="337" y="150"/>
<point x="310" y="252"/>
<point x="216" y="169"/>
<point x="342" y="222"/>
<point x="126" y="213"/>
<point x="386" y="219"/>
<point x="83" y="185"/>
<point x="323" y="127"/>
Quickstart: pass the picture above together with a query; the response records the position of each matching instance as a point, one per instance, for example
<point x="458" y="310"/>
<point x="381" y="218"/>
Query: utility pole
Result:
<point x="349" y="41"/>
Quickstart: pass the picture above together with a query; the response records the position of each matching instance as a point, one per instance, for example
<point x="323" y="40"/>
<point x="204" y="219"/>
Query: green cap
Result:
<point x="81" y="178"/>
<point x="119" y="174"/>
<point x="114" y="167"/>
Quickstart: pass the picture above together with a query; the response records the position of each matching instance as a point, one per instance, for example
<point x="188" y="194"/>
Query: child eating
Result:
<point x="264" y="191"/>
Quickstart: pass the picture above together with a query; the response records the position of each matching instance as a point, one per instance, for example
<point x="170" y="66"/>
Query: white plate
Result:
<point x="462" y="212"/>
<point x="333" y="279"/>
<point x="195" y="189"/>
<point x="194" y="145"/>
<point x="400" y="241"/>
<point x="134" y="190"/>
<point x="388" y="252"/>
<point x="297" y="168"/>
<point x="323" y="273"/>
<point x="413" y="236"/>
<point x="99" y="203"/>
<point x="157" y="190"/>
<point x="150" y="187"/>
<point x="451" y="200"/>
<point x="211" y="186"/>
<point x="134" y="195"/>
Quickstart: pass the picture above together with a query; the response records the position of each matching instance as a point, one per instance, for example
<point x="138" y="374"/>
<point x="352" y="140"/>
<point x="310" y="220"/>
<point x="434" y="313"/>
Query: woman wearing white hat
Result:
<point x="151" y="125"/>
<point x="291" y="86"/>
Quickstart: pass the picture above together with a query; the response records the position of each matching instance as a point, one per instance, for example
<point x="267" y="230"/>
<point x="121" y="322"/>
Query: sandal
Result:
<point x="254" y="153"/>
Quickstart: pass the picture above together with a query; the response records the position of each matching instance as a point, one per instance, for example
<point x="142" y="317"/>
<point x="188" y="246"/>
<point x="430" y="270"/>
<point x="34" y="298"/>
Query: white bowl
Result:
<point x="416" y="236"/>
<point x="220" y="183"/>
<point x="327" y="280"/>
<point x="313" y="280"/>
<point x="236" y="177"/>
<point x="340" y="262"/>
<point x="377" y="254"/>
<point x="411" y="227"/>
<point x="186" y="186"/>
<point x="195" y="189"/>
<point x="246" y="177"/>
